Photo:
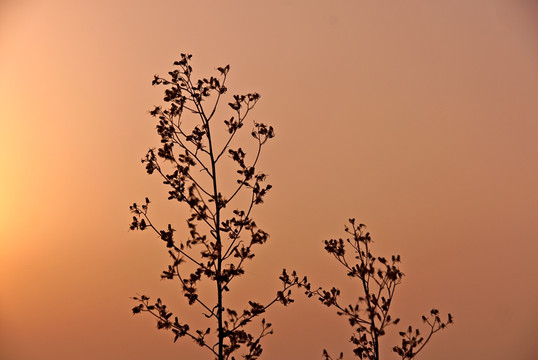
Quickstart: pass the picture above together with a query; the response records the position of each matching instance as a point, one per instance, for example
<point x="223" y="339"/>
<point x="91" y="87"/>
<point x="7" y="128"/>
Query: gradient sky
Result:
<point x="419" y="118"/>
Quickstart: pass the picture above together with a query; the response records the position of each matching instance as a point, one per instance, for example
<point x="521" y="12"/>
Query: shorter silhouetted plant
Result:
<point x="370" y="316"/>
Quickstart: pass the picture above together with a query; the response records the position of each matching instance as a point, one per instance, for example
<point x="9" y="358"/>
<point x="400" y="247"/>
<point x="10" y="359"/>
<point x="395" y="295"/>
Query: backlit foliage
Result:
<point x="220" y="240"/>
<point x="378" y="278"/>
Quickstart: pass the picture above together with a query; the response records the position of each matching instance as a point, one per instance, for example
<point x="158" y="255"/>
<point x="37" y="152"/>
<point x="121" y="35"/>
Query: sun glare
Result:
<point x="4" y="211"/>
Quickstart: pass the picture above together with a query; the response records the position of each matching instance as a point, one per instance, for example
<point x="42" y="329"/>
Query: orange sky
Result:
<point x="418" y="118"/>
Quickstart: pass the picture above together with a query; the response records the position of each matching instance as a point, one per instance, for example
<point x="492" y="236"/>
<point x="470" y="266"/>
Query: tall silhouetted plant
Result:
<point x="220" y="241"/>
<point x="378" y="279"/>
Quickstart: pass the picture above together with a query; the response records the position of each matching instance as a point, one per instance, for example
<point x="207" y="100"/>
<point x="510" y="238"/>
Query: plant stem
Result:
<point x="218" y="238"/>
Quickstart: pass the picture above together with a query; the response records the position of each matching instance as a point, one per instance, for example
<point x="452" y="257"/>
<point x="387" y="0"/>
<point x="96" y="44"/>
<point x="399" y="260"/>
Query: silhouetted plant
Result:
<point x="370" y="316"/>
<point x="220" y="240"/>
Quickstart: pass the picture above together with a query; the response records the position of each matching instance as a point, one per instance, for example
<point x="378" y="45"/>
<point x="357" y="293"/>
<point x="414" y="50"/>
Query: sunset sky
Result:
<point x="418" y="118"/>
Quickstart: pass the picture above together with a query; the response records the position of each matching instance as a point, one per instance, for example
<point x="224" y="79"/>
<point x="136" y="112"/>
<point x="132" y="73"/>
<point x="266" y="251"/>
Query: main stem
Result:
<point x="371" y="309"/>
<point x="219" y="243"/>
